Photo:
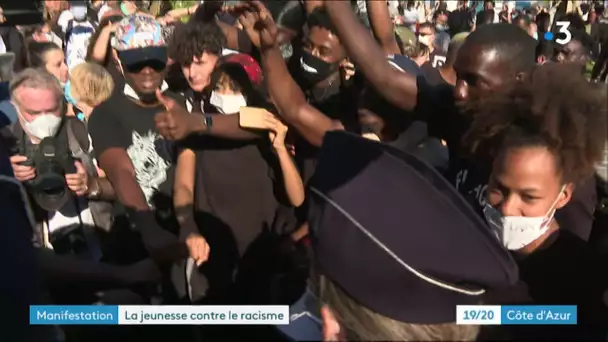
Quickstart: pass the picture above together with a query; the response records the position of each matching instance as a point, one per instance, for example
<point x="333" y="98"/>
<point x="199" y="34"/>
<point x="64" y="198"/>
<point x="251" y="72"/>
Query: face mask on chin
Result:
<point x="441" y="28"/>
<point x="314" y="69"/>
<point x="516" y="232"/>
<point x="227" y="104"/>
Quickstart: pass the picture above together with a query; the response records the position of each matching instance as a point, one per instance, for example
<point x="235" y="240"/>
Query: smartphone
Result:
<point x="249" y="117"/>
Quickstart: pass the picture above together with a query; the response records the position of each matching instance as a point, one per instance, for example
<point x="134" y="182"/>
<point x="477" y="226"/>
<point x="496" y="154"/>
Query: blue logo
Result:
<point x="548" y="36"/>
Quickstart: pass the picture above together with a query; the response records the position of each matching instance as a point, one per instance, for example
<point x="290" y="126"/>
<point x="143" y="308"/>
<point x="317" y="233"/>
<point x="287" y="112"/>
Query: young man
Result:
<point x="196" y="48"/>
<point x="136" y="159"/>
<point x="426" y="36"/>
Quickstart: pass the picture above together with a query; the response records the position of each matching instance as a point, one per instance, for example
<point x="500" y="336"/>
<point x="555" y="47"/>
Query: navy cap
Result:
<point x="305" y="323"/>
<point x="396" y="236"/>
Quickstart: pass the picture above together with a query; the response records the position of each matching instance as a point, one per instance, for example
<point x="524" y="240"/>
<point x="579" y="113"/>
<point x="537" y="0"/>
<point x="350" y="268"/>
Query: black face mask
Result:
<point x="314" y="69"/>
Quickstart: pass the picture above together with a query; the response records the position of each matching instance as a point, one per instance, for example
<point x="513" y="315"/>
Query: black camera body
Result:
<point x="52" y="160"/>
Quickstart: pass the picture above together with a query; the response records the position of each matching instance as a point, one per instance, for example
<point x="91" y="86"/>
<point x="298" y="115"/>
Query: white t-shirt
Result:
<point x="78" y="43"/>
<point x="2" y="46"/>
<point x="64" y="19"/>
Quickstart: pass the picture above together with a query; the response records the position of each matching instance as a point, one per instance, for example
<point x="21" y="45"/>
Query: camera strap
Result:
<point x="77" y="152"/>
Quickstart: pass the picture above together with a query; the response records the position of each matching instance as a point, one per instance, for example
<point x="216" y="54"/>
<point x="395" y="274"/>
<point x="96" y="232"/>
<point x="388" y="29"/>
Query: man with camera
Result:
<point x="60" y="183"/>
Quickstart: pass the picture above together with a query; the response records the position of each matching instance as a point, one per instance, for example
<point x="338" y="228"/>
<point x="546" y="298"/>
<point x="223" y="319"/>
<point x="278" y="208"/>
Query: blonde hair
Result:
<point x="362" y="324"/>
<point x="91" y="83"/>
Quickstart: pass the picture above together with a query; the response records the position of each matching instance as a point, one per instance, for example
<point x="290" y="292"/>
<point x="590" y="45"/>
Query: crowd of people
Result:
<point x="371" y="164"/>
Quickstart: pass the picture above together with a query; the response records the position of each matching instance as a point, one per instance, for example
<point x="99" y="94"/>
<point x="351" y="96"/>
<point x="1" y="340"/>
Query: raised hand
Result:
<point x="175" y="122"/>
<point x="257" y="21"/>
<point x="277" y="135"/>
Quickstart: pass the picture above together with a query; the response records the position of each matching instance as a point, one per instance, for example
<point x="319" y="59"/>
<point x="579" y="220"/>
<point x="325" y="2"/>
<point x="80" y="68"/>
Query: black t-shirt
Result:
<point x="436" y="60"/>
<point x="338" y="105"/>
<point x="120" y="122"/>
<point x="445" y="121"/>
<point x="565" y="271"/>
<point x="433" y="77"/>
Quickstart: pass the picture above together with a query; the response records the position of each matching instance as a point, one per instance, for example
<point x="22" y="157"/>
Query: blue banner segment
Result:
<point x="538" y="314"/>
<point x="73" y="314"/>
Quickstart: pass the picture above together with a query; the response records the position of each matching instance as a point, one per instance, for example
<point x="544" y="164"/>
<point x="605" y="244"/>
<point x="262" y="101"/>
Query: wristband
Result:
<point x="208" y="121"/>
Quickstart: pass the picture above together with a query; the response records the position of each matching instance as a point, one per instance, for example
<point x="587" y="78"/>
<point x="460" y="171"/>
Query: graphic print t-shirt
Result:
<point x="121" y="123"/>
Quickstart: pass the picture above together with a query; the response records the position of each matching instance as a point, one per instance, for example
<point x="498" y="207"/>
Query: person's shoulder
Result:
<point x="111" y="106"/>
<point x="180" y="98"/>
<point x="64" y="18"/>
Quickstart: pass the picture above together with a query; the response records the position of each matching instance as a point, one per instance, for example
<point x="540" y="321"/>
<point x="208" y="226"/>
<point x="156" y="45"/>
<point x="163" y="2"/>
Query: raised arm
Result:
<point x="290" y="101"/>
<point x="397" y="87"/>
<point x="382" y="26"/>
<point x="287" y="96"/>
<point x="285" y="93"/>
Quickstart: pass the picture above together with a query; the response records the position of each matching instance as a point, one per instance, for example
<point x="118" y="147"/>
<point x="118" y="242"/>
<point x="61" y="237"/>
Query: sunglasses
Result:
<point x="156" y="65"/>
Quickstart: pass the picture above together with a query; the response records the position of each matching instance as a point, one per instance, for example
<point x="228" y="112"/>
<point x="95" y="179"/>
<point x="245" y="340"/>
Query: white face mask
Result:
<point x="227" y="104"/>
<point x="43" y="126"/>
<point x="426" y="40"/>
<point x="516" y="232"/>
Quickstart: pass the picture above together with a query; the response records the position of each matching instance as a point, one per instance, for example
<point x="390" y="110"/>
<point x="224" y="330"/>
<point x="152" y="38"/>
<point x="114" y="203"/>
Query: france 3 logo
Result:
<point x="563" y="35"/>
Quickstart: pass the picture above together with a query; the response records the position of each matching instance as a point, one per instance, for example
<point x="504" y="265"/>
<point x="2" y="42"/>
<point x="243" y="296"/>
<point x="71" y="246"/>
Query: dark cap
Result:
<point x="305" y="322"/>
<point x="396" y="236"/>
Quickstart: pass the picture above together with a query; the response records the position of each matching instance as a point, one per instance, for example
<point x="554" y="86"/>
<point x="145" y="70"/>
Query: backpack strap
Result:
<point x="68" y="33"/>
<point x="76" y="147"/>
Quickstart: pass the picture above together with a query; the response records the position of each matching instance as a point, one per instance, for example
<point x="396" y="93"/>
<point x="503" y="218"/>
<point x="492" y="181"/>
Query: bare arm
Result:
<point x="227" y="126"/>
<point x="290" y="100"/>
<point x="382" y="26"/>
<point x="99" y="51"/>
<point x="121" y="173"/>
<point x="232" y="37"/>
<point x="294" y="187"/>
<point x="397" y="87"/>
<point x="183" y="191"/>
<point x="179" y="13"/>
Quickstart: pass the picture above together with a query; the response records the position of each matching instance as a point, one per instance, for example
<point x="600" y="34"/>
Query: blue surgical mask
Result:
<point x="67" y="90"/>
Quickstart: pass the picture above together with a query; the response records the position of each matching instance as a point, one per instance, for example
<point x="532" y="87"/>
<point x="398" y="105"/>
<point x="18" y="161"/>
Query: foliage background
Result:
<point x="182" y="3"/>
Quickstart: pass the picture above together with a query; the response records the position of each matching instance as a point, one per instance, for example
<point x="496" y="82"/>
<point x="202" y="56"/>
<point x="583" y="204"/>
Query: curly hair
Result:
<point x="195" y="38"/>
<point x="554" y="108"/>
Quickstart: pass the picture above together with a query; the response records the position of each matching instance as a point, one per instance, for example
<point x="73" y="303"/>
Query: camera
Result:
<point x="52" y="160"/>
